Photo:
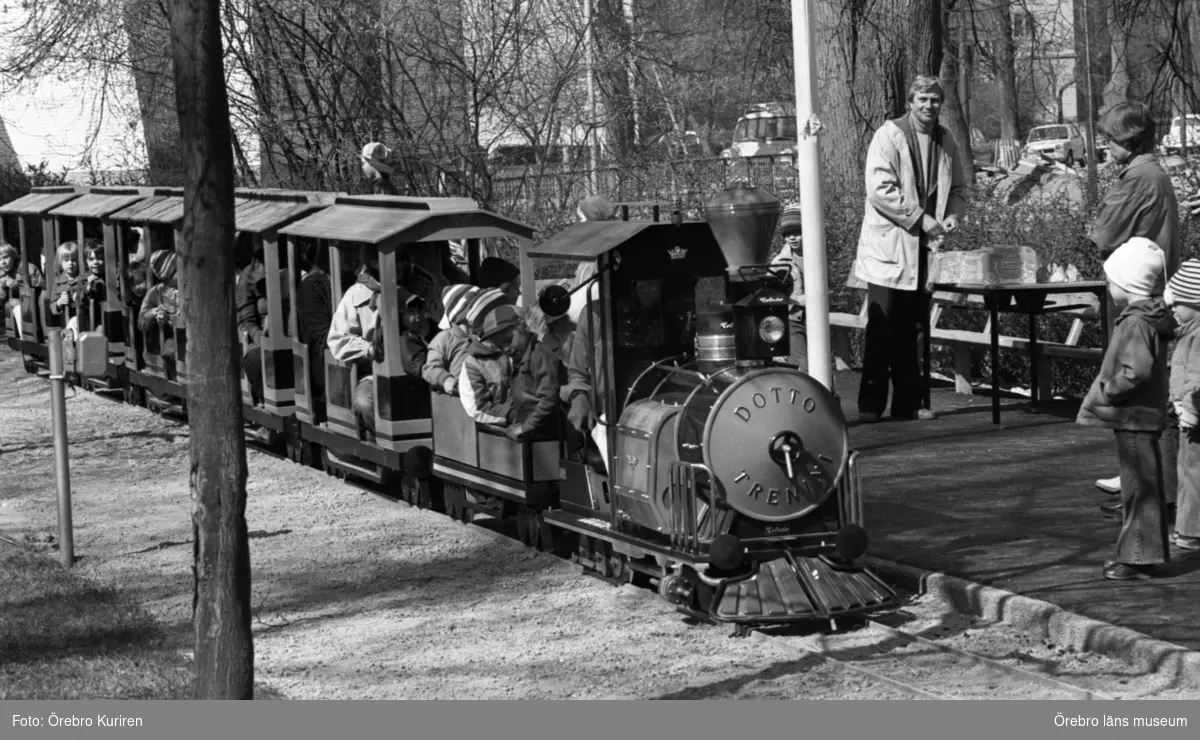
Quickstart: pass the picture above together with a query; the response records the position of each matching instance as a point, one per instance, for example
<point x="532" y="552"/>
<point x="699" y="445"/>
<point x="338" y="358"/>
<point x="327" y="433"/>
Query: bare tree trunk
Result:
<point x="952" y="112"/>
<point x="221" y="599"/>
<point x="1004" y="67"/>
<point x="146" y="26"/>
<point x="865" y="69"/>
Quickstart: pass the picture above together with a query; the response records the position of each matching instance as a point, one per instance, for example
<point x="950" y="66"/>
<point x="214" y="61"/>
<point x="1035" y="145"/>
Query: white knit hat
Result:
<point x="1137" y="266"/>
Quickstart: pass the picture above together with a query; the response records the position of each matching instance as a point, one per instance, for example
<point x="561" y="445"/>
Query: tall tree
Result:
<point x="221" y="596"/>
<point x="146" y="26"/>
<point x="953" y="116"/>
<point x="1003" y="59"/>
<point x="868" y="54"/>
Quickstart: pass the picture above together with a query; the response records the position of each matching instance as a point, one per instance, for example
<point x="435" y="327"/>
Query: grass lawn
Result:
<point x="63" y="638"/>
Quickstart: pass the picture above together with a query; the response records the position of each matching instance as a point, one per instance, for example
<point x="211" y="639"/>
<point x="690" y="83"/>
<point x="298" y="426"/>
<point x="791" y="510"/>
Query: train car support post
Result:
<point x="62" y="467"/>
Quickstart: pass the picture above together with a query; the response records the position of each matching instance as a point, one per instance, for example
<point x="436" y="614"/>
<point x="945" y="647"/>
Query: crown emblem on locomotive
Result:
<point x="677" y="252"/>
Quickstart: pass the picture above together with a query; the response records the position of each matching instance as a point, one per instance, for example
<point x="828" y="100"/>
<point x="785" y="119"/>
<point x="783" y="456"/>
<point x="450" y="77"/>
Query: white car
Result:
<point x="1063" y="142"/>
<point x="1173" y="141"/>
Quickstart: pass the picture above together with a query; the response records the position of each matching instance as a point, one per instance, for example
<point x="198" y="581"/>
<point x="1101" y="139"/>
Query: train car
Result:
<point x="28" y="225"/>
<point x="82" y="219"/>
<point x="396" y="232"/>
<point x="155" y="358"/>
<point x="259" y="215"/>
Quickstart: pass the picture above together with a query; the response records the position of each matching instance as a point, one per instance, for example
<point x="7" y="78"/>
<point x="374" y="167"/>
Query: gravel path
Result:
<point x="355" y="597"/>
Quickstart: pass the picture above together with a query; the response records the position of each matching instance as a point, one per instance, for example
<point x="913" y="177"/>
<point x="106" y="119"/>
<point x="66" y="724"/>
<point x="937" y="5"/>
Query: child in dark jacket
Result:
<point x="68" y="287"/>
<point x="485" y="385"/>
<point x="536" y="383"/>
<point x="1129" y="396"/>
<point x="448" y="350"/>
<point x="414" y="327"/>
<point x="1183" y="296"/>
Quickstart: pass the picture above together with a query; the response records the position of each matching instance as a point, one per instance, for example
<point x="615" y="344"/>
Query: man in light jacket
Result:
<point x="915" y="196"/>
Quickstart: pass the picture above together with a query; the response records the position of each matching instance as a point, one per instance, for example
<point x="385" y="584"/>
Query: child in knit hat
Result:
<point x="448" y="350"/>
<point x="485" y="383"/>
<point x="1183" y="296"/>
<point x="791" y="256"/>
<point x="1129" y="396"/>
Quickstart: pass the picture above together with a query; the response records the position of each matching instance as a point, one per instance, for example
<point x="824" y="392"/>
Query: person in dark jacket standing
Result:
<point x="1129" y="396"/>
<point x="1141" y="202"/>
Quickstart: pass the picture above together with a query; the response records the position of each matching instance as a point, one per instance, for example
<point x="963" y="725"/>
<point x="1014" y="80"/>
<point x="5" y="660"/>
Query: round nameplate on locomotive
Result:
<point x="777" y="441"/>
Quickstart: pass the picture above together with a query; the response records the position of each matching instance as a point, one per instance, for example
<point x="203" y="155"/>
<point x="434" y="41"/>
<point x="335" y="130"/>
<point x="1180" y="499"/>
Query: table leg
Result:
<point x="995" y="308"/>
<point x="1033" y="364"/>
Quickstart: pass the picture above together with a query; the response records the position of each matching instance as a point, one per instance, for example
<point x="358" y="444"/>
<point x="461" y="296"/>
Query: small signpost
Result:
<point x="62" y="467"/>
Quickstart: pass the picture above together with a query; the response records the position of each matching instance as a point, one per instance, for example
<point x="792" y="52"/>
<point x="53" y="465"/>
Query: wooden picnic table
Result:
<point x="1031" y="299"/>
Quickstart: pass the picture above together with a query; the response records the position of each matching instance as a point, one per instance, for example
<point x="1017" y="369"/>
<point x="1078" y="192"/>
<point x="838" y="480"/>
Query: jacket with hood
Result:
<point x="535" y="389"/>
<point x="485" y="384"/>
<point x="352" y="329"/>
<point x="446" y="355"/>
<point x="1130" y="393"/>
<point x="1185" y="371"/>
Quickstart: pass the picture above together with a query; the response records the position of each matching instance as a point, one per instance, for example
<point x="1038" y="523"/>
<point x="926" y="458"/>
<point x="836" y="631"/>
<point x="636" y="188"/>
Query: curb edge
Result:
<point x="1175" y="663"/>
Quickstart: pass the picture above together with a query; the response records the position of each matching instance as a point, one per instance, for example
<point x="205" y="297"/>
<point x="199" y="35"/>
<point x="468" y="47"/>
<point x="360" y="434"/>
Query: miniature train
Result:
<point x="726" y="477"/>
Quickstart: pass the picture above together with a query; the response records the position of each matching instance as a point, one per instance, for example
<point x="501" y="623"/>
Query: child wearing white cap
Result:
<point x="1183" y="296"/>
<point x="1129" y="396"/>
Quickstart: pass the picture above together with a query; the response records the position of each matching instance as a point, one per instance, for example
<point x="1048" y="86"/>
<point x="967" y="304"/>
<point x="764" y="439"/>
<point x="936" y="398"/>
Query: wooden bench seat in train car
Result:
<point x="161" y="220"/>
<point x="262" y="213"/>
<point x="37" y="238"/>
<point x="91" y="212"/>
<point x="387" y="225"/>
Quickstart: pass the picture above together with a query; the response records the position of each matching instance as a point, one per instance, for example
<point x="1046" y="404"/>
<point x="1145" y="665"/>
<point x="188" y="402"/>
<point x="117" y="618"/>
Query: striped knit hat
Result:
<point x="162" y="263"/>
<point x="792" y="220"/>
<point x="457" y="299"/>
<point x="1184" y="286"/>
<point x="485" y="302"/>
<point x="498" y="319"/>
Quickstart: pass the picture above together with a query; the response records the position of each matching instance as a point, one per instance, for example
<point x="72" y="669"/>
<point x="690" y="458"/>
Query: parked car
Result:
<point x="1173" y="141"/>
<point x="1063" y="142"/>
<point x="765" y="130"/>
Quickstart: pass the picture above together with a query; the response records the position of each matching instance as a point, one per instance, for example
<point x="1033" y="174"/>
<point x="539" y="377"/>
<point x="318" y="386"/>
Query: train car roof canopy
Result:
<point x="40" y="201"/>
<point x="98" y="204"/>
<point x="160" y="209"/>
<point x="588" y="240"/>
<point x="376" y="219"/>
<point x="259" y="215"/>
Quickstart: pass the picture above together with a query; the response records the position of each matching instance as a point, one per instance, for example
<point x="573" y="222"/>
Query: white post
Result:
<point x="808" y="164"/>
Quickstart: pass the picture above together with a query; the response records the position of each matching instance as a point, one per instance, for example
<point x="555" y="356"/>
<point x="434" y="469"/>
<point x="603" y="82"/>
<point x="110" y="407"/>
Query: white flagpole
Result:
<point x="808" y="164"/>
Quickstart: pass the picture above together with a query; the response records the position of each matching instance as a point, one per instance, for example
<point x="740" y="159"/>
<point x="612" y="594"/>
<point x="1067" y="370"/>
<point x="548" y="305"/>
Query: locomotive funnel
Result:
<point x="743" y="220"/>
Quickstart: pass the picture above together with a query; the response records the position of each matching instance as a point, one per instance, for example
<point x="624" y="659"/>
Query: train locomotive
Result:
<point x="715" y="472"/>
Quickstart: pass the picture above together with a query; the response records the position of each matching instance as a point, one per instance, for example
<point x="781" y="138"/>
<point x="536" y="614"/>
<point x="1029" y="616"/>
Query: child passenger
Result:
<point x="10" y="282"/>
<point x="1129" y="396"/>
<point x="485" y="384"/>
<point x="67" y="285"/>
<point x="161" y="306"/>
<point x="536" y="383"/>
<point x="448" y="350"/>
<point x="1183" y="296"/>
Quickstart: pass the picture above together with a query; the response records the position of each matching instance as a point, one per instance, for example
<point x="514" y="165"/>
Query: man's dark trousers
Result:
<point x="891" y="351"/>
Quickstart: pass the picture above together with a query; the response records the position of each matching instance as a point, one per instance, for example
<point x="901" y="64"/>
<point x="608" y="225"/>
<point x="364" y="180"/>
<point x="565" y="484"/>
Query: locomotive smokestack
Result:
<point x="743" y="220"/>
